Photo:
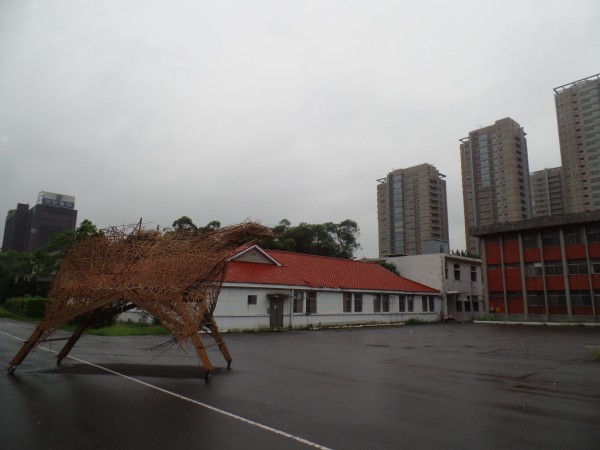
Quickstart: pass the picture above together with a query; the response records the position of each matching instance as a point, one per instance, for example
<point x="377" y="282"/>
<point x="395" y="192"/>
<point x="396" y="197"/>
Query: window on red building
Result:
<point x="550" y="238"/>
<point x="581" y="298"/>
<point x="557" y="298"/>
<point x="578" y="267"/>
<point x="554" y="267"/>
<point x="573" y="235"/>
<point x="530" y="240"/>
<point x="592" y="232"/>
<point x="533" y="269"/>
<point x="536" y="298"/>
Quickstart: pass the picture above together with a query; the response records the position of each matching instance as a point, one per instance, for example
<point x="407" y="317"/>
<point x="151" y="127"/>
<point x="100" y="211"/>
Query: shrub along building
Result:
<point x="271" y="288"/>
<point x="543" y="269"/>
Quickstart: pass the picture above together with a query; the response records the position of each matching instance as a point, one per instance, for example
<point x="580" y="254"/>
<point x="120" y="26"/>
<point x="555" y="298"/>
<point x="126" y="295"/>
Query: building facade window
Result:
<point x="573" y="236"/>
<point x="550" y="238"/>
<point x="298" y="302"/>
<point x="402" y="303"/>
<point x="410" y="303"/>
<point x="377" y="303"/>
<point x="553" y="268"/>
<point x="581" y="298"/>
<point x="473" y="273"/>
<point x="385" y="303"/>
<point x="557" y="298"/>
<point x="457" y="271"/>
<point x="533" y="269"/>
<point x="311" y="303"/>
<point x="358" y="302"/>
<point x="592" y="232"/>
<point x="427" y="304"/>
<point x="347" y="302"/>
<point x="578" y="267"/>
<point x="530" y="240"/>
<point x="381" y="303"/>
<point x="252" y="299"/>
<point x="536" y="298"/>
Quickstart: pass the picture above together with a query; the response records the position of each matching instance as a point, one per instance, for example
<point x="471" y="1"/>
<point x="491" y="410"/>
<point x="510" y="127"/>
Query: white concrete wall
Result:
<point x="233" y="311"/>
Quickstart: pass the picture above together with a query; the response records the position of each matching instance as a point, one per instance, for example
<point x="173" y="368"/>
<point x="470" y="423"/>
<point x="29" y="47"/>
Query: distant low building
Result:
<point x="27" y="230"/>
<point x="458" y="278"/>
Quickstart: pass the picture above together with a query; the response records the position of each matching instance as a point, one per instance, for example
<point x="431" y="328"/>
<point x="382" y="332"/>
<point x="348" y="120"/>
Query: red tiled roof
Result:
<point x="299" y="269"/>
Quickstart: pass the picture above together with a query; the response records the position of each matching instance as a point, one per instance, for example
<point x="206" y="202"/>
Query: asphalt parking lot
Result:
<point x="457" y="386"/>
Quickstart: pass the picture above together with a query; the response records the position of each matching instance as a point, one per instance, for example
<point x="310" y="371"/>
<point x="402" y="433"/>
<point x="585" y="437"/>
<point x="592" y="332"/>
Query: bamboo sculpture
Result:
<point x="175" y="277"/>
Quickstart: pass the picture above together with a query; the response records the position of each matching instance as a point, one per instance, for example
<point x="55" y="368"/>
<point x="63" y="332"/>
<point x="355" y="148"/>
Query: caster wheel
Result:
<point x="11" y="369"/>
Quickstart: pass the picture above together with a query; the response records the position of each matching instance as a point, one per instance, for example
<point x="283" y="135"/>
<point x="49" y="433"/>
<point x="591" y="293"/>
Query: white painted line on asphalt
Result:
<point x="190" y="400"/>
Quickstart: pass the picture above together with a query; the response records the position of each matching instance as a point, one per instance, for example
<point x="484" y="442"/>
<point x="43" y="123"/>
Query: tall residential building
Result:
<point x="27" y="230"/>
<point x="412" y="212"/>
<point x="495" y="177"/>
<point x="578" y="117"/>
<point x="547" y="192"/>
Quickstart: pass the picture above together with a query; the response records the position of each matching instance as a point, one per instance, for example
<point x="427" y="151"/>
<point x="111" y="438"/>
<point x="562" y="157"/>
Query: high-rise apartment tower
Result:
<point x="547" y="192"/>
<point x="495" y="177"/>
<point x="578" y="117"/>
<point x="412" y="212"/>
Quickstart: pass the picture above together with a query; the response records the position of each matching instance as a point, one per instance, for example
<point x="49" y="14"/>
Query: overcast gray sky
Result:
<point x="233" y="110"/>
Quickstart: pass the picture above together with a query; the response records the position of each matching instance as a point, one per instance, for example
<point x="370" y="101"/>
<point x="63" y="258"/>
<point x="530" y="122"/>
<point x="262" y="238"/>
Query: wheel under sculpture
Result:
<point x="175" y="277"/>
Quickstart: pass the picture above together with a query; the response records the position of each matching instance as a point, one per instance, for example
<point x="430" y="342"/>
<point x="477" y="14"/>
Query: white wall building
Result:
<point x="275" y="289"/>
<point x="458" y="278"/>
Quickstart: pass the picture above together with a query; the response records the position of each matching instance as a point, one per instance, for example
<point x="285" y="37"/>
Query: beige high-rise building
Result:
<point x="547" y="192"/>
<point x="495" y="177"/>
<point x="412" y="212"/>
<point x="578" y="118"/>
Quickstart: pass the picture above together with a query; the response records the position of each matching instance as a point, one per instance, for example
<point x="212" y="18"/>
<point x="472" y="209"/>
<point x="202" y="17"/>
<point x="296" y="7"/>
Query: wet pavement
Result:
<point x="452" y="386"/>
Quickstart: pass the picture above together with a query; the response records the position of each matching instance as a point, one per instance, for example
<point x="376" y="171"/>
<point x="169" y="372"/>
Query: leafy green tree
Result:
<point x="47" y="260"/>
<point x="212" y="225"/>
<point x="327" y="239"/>
<point x="15" y="268"/>
<point x="389" y="266"/>
<point x="184" y="223"/>
<point x="20" y="273"/>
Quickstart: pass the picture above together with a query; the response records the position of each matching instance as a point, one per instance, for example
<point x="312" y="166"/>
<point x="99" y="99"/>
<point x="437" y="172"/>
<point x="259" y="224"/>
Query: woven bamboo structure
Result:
<point x="175" y="277"/>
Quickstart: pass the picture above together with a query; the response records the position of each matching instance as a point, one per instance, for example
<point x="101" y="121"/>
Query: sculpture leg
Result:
<point x="214" y="332"/>
<point x="27" y="346"/>
<point x="197" y="341"/>
<point x="74" y="338"/>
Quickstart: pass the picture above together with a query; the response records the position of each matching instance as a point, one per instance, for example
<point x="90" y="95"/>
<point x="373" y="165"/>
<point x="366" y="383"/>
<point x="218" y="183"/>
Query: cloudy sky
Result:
<point x="234" y="110"/>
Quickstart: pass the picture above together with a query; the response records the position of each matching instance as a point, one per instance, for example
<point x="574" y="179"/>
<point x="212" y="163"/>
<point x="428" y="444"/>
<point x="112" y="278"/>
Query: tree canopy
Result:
<point x="20" y="271"/>
<point x="184" y="223"/>
<point x="326" y="239"/>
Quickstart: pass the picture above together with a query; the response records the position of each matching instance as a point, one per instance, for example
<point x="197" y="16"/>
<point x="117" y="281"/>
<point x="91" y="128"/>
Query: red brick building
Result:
<point x="545" y="269"/>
